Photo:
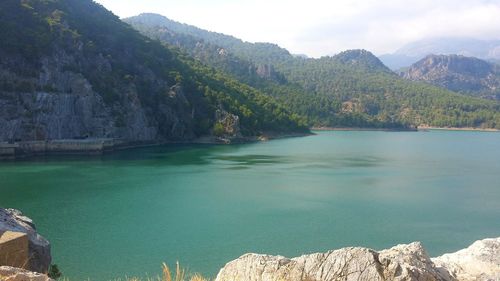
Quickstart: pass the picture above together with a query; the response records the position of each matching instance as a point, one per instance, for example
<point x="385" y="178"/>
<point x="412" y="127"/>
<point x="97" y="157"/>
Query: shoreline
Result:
<point x="417" y="129"/>
<point x="465" y="129"/>
<point x="342" y="129"/>
<point x="242" y="140"/>
<point x="95" y="147"/>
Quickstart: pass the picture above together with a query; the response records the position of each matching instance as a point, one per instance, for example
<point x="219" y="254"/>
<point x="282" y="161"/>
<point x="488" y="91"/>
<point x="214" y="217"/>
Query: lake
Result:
<point x="125" y="213"/>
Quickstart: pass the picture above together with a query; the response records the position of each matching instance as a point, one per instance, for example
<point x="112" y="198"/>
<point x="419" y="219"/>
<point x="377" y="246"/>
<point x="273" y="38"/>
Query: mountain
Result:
<point x="361" y="59"/>
<point x="351" y="89"/>
<point x="467" y="75"/>
<point x="72" y="69"/>
<point x="415" y="51"/>
<point x="256" y="65"/>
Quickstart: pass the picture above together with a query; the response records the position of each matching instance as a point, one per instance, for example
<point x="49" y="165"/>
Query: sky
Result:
<point x="326" y="27"/>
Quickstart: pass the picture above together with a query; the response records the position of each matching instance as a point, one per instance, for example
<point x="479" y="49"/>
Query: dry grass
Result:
<point x="181" y="274"/>
<point x="167" y="275"/>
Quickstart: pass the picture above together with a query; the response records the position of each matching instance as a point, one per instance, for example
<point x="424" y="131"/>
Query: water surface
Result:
<point x="124" y="214"/>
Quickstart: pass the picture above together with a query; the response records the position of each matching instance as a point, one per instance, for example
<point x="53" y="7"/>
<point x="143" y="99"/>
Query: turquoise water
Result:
<point x="124" y="214"/>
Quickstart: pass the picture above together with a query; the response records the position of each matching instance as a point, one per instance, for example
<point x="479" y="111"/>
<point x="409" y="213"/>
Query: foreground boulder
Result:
<point x="481" y="261"/>
<point x="39" y="257"/>
<point x="402" y="262"/>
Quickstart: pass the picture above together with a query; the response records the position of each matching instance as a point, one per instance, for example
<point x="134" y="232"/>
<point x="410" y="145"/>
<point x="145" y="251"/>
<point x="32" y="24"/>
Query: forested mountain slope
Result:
<point x="72" y="69"/>
<point x="352" y="88"/>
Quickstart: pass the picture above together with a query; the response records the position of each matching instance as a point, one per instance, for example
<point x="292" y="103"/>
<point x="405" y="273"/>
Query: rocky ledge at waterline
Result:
<point x="480" y="261"/>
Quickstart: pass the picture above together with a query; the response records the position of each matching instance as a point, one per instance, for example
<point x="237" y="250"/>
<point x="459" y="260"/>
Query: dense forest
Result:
<point x="351" y="89"/>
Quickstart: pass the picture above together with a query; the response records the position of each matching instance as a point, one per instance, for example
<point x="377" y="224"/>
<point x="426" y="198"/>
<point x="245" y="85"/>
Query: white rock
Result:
<point x="403" y="262"/>
<point x="8" y="273"/>
<point x="480" y="261"/>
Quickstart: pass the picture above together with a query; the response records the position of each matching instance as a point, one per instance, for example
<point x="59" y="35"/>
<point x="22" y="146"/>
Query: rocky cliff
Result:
<point x="61" y="78"/>
<point x="402" y="262"/>
<point x="73" y="109"/>
<point x="458" y="73"/>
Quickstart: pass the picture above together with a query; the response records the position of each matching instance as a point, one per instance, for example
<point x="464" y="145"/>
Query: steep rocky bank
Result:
<point x="67" y="106"/>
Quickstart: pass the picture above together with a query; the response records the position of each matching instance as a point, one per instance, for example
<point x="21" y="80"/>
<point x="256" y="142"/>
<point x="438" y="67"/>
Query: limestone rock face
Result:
<point x="8" y="273"/>
<point x="410" y="262"/>
<point x="466" y="75"/>
<point x="39" y="248"/>
<point x="266" y="71"/>
<point x="229" y="122"/>
<point x="65" y="105"/>
<point x="480" y="261"/>
<point x="403" y="262"/>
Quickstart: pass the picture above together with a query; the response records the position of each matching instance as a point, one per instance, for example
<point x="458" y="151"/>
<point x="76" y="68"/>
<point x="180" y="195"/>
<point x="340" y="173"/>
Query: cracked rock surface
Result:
<point x="402" y="262"/>
<point x="8" y="273"/>
<point x="480" y="261"/>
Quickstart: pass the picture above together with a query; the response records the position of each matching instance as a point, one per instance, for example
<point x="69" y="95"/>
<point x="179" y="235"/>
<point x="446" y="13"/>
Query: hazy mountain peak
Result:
<point x="470" y="47"/>
<point x="452" y="45"/>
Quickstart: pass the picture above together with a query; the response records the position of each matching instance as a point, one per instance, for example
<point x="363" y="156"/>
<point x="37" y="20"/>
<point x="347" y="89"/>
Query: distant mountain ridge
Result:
<point x="351" y="89"/>
<point x="415" y="51"/>
<point x="467" y="75"/>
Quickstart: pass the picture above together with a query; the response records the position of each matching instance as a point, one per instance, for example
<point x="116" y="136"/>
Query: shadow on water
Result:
<point x="228" y="156"/>
<point x="251" y="159"/>
<point x="329" y="162"/>
<point x="361" y="162"/>
<point x="171" y="154"/>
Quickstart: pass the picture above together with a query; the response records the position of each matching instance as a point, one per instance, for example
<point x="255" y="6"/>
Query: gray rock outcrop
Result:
<point x="39" y="248"/>
<point x="230" y="123"/>
<point x="63" y="104"/>
<point x="461" y="74"/>
<point x="402" y="262"/>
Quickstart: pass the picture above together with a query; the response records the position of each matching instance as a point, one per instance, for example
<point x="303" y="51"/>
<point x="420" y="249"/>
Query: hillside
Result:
<point x="353" y="88"/>
<point x="253" y="64"/>
<point x="72" y="69"/>
<point x="466" y="75"/>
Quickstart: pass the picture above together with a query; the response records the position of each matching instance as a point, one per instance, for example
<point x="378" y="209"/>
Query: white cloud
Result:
<point x="322" y="27"/>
